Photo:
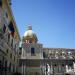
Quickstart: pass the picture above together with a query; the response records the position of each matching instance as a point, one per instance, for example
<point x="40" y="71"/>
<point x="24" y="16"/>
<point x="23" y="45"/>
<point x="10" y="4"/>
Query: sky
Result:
<point x="53" y="21"/>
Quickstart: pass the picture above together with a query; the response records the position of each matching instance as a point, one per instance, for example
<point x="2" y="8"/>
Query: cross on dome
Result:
<point x="29" y="27"/>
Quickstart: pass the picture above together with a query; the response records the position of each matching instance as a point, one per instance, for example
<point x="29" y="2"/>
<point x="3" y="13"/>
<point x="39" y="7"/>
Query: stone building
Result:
<point x="9" y="40"/>
<point x="36" y="60"/>
<point x="32" y="59"/>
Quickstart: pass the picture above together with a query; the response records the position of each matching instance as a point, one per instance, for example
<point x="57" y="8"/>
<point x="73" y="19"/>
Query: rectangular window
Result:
<point x="12" y="43"/>
<point x="4" y="28"/>
<point x="5" y="65"/>
<point x="44" y="55"/>
<point x="11" y="55"/>
<point x="14" y="58"/>
<point x="11" y="28"/>
<point x="30" y="41"/>
<point x="0" y="3"/>
<point x="8" y="37"/>
<point x="10" y="67"/>
<point x="7" y="50"/>
<point x="13" y="68"/>
<point x="6" y="15"/>
<point x="32" y="51"/>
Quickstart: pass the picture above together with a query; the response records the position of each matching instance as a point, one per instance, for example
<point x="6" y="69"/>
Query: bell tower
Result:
<point x="32" y="52"/>
<point x="30" y="45"/>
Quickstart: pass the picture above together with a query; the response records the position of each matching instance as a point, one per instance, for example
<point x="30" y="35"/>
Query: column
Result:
<point x="66" y="68"/>
<point x="51" y="68"/>
<point x="59" y="68"/>
<point x="22" y="69"/>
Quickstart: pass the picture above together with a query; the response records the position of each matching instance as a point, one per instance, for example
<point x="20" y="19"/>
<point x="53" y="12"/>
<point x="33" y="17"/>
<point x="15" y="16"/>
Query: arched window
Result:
<point x="32" y="51"/>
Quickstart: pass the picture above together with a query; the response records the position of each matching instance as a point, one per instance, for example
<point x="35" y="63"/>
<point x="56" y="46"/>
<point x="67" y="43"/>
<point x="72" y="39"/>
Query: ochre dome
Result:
<point x="30" y="36"/>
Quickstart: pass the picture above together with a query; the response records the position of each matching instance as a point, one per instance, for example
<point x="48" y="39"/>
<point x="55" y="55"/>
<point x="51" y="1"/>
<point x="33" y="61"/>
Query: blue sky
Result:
<point x="52" y="20"/>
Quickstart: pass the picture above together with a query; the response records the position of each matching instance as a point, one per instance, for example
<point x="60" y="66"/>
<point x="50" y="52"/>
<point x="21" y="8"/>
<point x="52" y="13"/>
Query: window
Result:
<point x="7" y="50"/>
<point x="4" y="28"/>
<point x="6" y="15"/>
<point x="8" y="37"/>
<point x="11" y="27"/>
<point x="5" y="65"/>
<point x="55" y="65"/>
<point x="30" y="41"/>
<point x="20" y="50"/>
<point x="10" y="2"/>
<point x="12" y="42"/>
<point x="63" y="65"/>
<point x="44" y="55"/>
<point x="10" y="67"/>
<point x="1" y="3"/>
<point x="13" y="68"/>
<point x="70" y="64"/>
<point x="10" y="55"/>
<point x="32" y="51"/>
<point x="15" y="46"/>
<point x="14" y="58"/>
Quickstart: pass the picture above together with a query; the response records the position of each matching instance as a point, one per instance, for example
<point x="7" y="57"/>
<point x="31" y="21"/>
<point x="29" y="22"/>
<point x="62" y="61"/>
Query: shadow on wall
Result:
<point x="67" y="74"/>
<point x="16" y="73"/>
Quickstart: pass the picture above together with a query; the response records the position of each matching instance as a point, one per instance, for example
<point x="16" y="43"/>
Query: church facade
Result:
<point x="36" y="60"/>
